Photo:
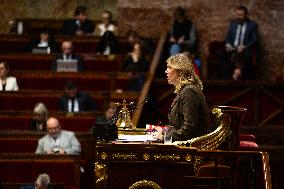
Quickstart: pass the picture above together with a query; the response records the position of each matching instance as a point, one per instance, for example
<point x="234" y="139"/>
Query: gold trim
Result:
<point x="172" y="157"/>
<point x="101" y="172"/>
<point x="145" y="184"/>
<point x="146" y="156"/>
<point x="130" y="156"/>
<point x="188" y="157"/>
<point x="103" y="155"/>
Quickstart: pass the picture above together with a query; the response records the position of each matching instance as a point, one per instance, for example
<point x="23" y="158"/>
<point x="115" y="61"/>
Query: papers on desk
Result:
<point x="135" y="138"/>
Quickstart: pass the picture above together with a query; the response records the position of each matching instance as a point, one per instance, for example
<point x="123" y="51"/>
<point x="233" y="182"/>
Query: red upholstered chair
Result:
<point x="238" y="141"/>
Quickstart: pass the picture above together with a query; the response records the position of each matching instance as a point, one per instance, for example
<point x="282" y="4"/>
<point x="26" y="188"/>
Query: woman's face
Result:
<point x="172" y="75"/>
<point x="3" y="71"/>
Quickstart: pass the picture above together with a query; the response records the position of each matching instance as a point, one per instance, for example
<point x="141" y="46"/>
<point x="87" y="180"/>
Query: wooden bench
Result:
<point x="25" y="100"/>
<point x="47" y="80"/>
<point x="79" y="122"/>
<point x="24" y="168"/>
<point x="18" y="43"/>
<point x="90" y="61"/>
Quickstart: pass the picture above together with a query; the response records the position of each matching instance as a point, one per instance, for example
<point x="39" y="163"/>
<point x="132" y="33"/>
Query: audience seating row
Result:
<point x="26" y="100"/>
<point x="79" y="122"/>
<point x="90" y="61"/>
<point x="16" y="43"/>
<point x="24" y="168"/>
<point x="42" y="80"/>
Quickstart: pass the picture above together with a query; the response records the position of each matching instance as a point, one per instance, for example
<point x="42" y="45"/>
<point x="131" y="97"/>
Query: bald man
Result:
<point x="67" y="56"/>
<point x="58" y="141"/>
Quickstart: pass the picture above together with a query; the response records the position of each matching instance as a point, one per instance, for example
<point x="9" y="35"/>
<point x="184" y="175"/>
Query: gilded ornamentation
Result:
<point x="188" y="157"/>
<point x="146" y="156"/>
<point x="172" y="157"/>
<point x="129" y="156"/>
<point x="100" y="171"/>
<point x="103" y="155"/>
<point x="145" y="184"/>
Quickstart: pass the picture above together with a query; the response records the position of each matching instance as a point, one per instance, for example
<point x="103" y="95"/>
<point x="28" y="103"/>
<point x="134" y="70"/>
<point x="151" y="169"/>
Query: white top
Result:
<point x="11" y="84"/>
<point x="102" y="28"/>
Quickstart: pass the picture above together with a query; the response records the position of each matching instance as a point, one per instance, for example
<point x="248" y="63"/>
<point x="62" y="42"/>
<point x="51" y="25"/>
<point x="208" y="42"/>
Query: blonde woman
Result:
<point x="188" y="113"/>
<point x="38" y="122"/>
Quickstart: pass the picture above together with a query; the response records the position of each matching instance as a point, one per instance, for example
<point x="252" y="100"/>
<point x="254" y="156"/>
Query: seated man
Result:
<point x="74" y="100"/>
<point x="67" y="61"/>
<point x="42" y="44"/>
<point x="182" y="34"/>
<point x="79" y="25"/>
<point x="241" y="39"/>
<point x="106" y="24"/>
<point x="58" y="141"/>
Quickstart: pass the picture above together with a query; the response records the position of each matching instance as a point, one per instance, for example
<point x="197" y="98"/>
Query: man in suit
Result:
<point x="67" y="58"/>
<point x="79" y="25"/>
<point x="74" y="100"/>
<point x="241" y="42"/>
<point x="58" y="141"/>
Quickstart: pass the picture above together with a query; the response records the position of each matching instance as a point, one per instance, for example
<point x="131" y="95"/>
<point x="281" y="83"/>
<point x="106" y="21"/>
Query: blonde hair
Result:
<point x="42" y="180"/>
<point x="184" y="66"/>
<point x="41" y="109"/>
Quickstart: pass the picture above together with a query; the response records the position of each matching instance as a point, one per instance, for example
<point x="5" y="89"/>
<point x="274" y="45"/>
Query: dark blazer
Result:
<point x="188" y="114"/>
<point x="250" y="37"/>
<point x="80" y="66"/>
<point x="84" y="99"/>
<point x="33" y="43"/>
<point x="33" y="126"/>
<point x="70" y="27"/>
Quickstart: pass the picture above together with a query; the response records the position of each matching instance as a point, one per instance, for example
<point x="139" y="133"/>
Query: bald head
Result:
<point x="53" y="127"/>
<point x="67" y="47"/>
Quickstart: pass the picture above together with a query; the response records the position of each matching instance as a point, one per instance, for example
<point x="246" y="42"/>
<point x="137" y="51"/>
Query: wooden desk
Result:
<point x="25" y="100"/>
<point x="19" y="168"/>
<point x="129" y="163"/>
<point x="47" y="80"/>
<point x="90" y="61"/>
<point x="122" y="165"/>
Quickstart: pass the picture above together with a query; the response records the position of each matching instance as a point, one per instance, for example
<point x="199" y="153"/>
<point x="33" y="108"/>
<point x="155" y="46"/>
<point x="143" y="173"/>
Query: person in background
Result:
<point x="67" y="56"/>
<point x="109" y="114"/>
<point x="108" y="44"/>
<point x="241" y="41"/>
<point x="42" y="182"/>
<point x="188" y="113"/>
<point x="136" y="64"/>
<point x="44" y="40"/>
<point x="7" y="83"/>
<point x="79" y="25"/>
<point x="146" y="43"/>
<point x="38" y="122"/>
<point x="58" y="141"/>
<point x="106" y="24"/>
<point x="74" y="100"/>
<point x="182" y="34"/>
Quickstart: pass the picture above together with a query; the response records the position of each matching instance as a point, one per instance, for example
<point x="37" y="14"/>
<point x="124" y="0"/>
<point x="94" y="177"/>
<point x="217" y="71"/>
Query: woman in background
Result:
<point x="7" y="83"/>
<point x="38" y="122"/>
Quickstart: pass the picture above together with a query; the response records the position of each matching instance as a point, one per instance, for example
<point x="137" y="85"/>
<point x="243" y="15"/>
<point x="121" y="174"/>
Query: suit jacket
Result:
<point x="70" y="27"/>
<point x="84" y="99"/>
<point x="33" y="126"/>
<point x="250" y="36"/>
<point x="34" y="44"/>
<point x="67" y="141"/>
<point x="80" y="66"/>
<point x="188" y="114"/>
<point x="11" y="84"/>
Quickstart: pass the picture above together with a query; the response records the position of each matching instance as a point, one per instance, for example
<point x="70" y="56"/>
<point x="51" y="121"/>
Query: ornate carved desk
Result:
<point x="122" y="165"/>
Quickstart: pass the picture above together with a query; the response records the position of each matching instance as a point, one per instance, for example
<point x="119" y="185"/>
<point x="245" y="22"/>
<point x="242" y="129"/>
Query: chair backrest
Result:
<point x="236" y="115"/>
<point x="214" y="139"/>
